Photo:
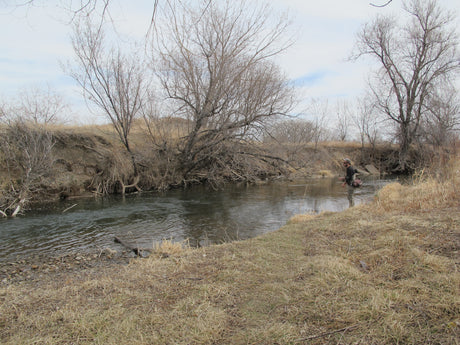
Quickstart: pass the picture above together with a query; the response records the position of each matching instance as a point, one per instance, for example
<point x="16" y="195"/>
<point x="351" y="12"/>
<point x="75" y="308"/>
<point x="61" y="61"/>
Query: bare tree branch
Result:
<point x="82" y="8"/>
<point x="385" y="4"/>
<point x="26" y="151"/>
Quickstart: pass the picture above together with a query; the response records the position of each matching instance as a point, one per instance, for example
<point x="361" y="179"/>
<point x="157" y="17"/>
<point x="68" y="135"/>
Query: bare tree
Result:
<point x="114" y="82"/>
<point x="292" y="131"/>
<point x="320" y="111"/>
<point x="217" y="73"/>
<point x="367" y="122"/>
<point x="343" y="120"/>
<point x="163" y="132"/>
<point x="39" y="106"/>
<point x="440" y="127"/>
<point x="415" y="58"/>
<point x="2" y="111"/>
<point x="74" y="8"/>
<point x="26" y="147"/>
<point x="290" y="135"/>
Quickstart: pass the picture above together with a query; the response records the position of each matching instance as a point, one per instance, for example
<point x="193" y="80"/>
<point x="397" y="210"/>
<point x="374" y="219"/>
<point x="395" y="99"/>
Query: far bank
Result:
<point x="51" y="163"/>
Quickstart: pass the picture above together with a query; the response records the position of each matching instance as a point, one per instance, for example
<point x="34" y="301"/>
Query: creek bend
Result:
<point x="199" y="214"/>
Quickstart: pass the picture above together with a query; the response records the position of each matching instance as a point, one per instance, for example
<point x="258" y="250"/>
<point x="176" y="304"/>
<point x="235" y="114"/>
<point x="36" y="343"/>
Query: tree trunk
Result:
<point x="404" y="148"/>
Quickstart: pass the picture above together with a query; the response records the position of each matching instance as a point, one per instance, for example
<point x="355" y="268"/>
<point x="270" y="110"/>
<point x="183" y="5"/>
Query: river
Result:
<point x="200" y="215"/>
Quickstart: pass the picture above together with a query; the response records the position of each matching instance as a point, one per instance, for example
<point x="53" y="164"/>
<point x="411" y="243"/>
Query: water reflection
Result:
<point x="201" y="215"/>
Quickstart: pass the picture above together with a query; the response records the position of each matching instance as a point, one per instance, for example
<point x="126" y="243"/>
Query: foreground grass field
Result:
<point x="383" y="273"/>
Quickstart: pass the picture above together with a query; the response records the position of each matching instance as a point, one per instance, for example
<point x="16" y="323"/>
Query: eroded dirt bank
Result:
<point x="88" y="164"/>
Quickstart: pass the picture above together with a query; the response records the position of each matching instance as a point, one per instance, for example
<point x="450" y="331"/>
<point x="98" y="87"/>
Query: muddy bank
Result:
<point x="38" y="267"/>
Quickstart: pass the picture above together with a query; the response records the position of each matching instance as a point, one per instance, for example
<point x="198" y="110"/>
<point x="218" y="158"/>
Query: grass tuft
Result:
<point x="301" y="218"/>
<point x="168" y="247"/>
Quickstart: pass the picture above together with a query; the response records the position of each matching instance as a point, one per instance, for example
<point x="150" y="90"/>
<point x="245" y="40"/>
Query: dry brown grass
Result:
<point x="301" y="218"/>
<point x="169" y="247"/>
<point x="342" y="144"/>
<point x="384" y="273"/>
<point x="426" y="192"/>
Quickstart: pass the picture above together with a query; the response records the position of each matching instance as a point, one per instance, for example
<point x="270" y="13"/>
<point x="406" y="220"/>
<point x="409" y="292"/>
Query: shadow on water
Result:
<point x="200" y="215"/>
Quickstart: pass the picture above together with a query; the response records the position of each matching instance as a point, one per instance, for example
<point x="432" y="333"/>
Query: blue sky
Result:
<point x="35" y="43"/>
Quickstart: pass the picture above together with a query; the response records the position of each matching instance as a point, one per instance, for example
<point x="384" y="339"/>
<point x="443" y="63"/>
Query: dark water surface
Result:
<point x="199" y="214"/>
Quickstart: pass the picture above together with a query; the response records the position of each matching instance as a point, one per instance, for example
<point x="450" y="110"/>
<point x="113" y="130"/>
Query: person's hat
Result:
<point x="347" y="160"/>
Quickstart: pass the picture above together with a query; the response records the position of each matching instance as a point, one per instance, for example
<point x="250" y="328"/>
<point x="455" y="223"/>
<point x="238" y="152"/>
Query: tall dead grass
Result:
<point x="426" y="191"/>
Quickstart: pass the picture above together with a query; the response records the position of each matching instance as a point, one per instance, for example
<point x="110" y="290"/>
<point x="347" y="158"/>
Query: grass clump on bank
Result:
<point x="383" y="273"/>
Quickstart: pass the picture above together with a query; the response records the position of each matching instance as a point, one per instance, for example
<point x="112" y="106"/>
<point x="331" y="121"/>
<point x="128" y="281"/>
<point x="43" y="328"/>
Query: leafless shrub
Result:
<point x="368" y="121"/>
<point x="164" y="133"/>
<point x="27" y="155"/>
<point x="292" y="131"/>
<point x="36" y="105"/>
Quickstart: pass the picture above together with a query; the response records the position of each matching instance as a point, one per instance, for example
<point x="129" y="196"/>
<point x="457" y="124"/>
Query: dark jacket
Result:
<point x="350" y="175"/>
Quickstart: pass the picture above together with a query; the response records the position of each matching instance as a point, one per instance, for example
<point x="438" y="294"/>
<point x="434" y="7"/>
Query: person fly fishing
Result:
<point x="350" y="180"/>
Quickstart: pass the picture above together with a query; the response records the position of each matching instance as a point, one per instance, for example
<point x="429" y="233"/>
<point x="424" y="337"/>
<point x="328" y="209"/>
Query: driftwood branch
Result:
<point x="68" y="208"/>
<point x="18" y="207"/>
<point x="134" y="184"/>
<point x="136" y="250"/>
<point x="16" y="211"/>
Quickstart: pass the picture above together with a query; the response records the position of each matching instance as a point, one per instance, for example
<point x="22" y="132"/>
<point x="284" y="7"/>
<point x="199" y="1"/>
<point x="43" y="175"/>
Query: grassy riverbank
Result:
<point x="383" y="273"/>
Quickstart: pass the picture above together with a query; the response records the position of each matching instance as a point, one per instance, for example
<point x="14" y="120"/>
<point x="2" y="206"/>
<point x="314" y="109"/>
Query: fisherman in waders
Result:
<point x="348" y="180"/>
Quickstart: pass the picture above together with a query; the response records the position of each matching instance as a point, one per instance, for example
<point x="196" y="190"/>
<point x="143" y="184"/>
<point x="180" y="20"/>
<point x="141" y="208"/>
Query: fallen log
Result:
<point x="137" y="250"/>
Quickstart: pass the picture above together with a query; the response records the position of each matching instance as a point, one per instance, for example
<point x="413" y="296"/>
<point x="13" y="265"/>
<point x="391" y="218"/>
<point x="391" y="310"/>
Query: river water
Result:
<point x="199" y="214"/>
